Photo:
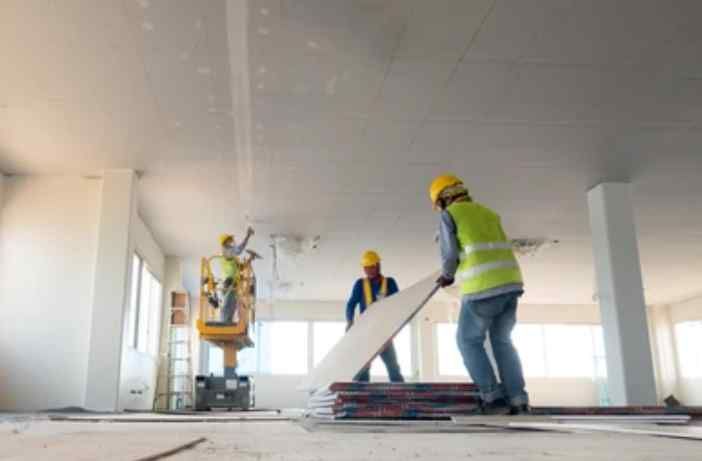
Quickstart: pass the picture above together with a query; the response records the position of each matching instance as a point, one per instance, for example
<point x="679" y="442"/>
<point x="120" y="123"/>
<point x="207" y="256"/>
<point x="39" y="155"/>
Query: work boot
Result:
<point x="495" y="408"/>
<point x="519" y="410"/>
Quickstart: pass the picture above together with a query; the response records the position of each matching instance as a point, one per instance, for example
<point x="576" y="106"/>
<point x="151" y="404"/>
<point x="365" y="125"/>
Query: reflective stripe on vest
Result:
<point x="368" y="292"/>
<point x="482" y="268"/>
<point x="469" y="249"/>
<point x="487" y="260"/>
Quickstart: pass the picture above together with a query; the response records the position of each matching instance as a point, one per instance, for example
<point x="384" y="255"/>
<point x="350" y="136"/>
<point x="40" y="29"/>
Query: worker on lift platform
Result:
<point x="229" y="267"/>
<point x="365" y="292"/>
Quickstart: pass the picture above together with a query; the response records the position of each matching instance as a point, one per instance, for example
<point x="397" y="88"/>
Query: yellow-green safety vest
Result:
<point x="230" y="268"/>
<point x="486" y="258"/>
<point x="368" y="292"/>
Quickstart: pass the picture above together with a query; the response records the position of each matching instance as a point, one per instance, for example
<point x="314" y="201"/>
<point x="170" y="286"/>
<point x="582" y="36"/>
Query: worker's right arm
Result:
<point x="450" y="249"/>
<point x="354" y="299"/>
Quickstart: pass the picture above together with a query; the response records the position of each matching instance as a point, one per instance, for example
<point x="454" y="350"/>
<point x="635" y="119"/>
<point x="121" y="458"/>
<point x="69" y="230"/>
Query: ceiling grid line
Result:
<point x="471" y="41"/>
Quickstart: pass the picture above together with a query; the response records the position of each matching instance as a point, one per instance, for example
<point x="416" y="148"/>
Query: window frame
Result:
<point x="135" y="304"/>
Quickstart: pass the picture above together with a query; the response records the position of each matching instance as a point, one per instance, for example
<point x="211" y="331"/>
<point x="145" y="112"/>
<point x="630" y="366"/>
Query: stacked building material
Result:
<point x="394" y="401"/>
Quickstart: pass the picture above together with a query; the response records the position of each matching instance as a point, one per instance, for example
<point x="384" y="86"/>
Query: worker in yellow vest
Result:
<point x="476" y="251"/>
<point x="229" y="270"/>
<point x="365" y="292"/>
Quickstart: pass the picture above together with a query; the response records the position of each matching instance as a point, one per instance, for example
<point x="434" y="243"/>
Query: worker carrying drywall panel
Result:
<point x="229" y="269"/>
<point x="475" y="250"/>
<point x="373" y="287"/>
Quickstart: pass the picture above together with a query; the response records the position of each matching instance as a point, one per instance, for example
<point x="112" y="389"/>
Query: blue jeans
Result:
<point x="496" y="315"/>
<point x="389" y="357"/>
<point x="229" y="306"/>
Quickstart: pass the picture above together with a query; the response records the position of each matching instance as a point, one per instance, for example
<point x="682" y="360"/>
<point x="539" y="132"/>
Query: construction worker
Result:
<point x="474" y="249"/>
<point x="373" y="287"/>
<point x="229" y="267"/>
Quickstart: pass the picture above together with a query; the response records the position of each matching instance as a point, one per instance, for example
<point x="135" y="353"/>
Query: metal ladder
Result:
<point x="179" y="370"/>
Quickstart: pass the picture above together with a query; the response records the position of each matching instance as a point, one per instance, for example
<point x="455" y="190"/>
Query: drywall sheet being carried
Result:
<point x="379" y="324"/>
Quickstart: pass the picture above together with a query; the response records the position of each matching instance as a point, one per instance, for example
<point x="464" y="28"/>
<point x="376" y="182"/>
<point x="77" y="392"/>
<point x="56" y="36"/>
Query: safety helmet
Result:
<point x="224" y="237"/>
<point x="439" y="184"/>
<point x="370" y="258"/>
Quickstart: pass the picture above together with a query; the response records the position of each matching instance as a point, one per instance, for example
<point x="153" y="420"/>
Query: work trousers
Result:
<point x="496" y="316"/>
<point x="389" y="357"/>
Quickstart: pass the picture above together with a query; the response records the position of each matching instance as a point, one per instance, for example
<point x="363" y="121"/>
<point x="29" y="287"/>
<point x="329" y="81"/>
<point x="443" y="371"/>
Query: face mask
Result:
<point x="229" y="252"/>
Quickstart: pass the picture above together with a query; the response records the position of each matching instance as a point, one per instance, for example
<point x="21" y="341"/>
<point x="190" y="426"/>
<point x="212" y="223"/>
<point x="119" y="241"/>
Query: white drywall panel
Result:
<point x="380" y="323"/>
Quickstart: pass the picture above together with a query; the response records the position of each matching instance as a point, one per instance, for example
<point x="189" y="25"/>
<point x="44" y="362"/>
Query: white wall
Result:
<point x="47" y="259"/>
<point x="139" y="369"/>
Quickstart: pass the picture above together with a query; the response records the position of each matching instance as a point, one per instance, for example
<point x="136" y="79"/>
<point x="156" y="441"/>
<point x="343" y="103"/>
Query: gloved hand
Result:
<point x="250" y="231"/>
<point x="445" y="281"/>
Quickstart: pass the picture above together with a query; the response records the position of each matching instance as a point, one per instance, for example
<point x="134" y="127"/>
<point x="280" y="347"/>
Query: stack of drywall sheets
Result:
<point x="394" y="401"/>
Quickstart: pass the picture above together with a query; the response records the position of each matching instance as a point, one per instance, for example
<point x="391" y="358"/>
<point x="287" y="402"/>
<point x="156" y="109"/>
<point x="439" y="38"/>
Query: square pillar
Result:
<point x="630" y="372"/>
<point x="110" y="293"/>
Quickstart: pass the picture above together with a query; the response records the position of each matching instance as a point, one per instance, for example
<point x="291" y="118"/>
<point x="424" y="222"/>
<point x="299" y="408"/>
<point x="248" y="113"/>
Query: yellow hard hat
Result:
<point x="224" y="237"/>
<point x="441" y="183"/>
<point x="370" y="258"/>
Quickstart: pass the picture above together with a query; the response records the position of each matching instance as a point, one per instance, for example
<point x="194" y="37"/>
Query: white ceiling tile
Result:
<point x="410" y="87"/>
<point x="441" y="27"/>
<point x="552" y="97"/>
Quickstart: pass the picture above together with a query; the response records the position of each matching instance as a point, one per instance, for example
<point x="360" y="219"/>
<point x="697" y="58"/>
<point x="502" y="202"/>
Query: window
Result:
<point x="247" y="360"/>
<point x="688" y="342"/>
<point x="403" y="347"/>
<point x="326" y="335"/>
<point x="569" y="351"/>
<point x="449" y="357"/>
<point x="553" y="351"/>
<point x="283" y="348"/>
<point x="134" y="301"/>
<point x="529" y="341"/>
<point x="144" y="308"/>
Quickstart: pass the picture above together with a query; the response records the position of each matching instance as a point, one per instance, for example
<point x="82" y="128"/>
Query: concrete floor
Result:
<point x="33" y="439"/>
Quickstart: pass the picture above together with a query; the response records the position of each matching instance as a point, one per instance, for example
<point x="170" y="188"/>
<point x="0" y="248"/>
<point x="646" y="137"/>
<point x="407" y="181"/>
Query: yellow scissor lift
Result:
<point x="229" y="391"/>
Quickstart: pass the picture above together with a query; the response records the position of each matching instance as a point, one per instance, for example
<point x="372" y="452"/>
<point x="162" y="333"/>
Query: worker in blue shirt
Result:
<point x="365" y="292"/>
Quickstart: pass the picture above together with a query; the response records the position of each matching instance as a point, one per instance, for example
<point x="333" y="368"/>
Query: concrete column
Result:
<point x="620" y="290"/>
<point x="110" y="294"/>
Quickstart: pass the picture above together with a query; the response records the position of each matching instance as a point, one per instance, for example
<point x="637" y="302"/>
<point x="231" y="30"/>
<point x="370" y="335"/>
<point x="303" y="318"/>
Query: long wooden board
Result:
<point x="379" y="324"/>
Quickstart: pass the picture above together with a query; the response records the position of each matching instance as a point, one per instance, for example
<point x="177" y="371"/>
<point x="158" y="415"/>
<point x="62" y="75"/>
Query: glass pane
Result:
<point x="283" y="348"/>
<point x="216" y="360"/>
<point x="529" y="341"/>
<point x="569" y="351"/>
<point x="248" y="359"/>
<point x="133" y="301"/>
<point x="688" y="341"/>
<point x="449" y="357"/>
<point x="144" y="309"/>
<point x="600" y="355"/>
<point x="155" y="310"/>
<point x="403" y="347"/>
<point x="326" y="335"/>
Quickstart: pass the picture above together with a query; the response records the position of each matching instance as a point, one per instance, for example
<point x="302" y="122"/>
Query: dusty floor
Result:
<point x="38" y="439"/>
